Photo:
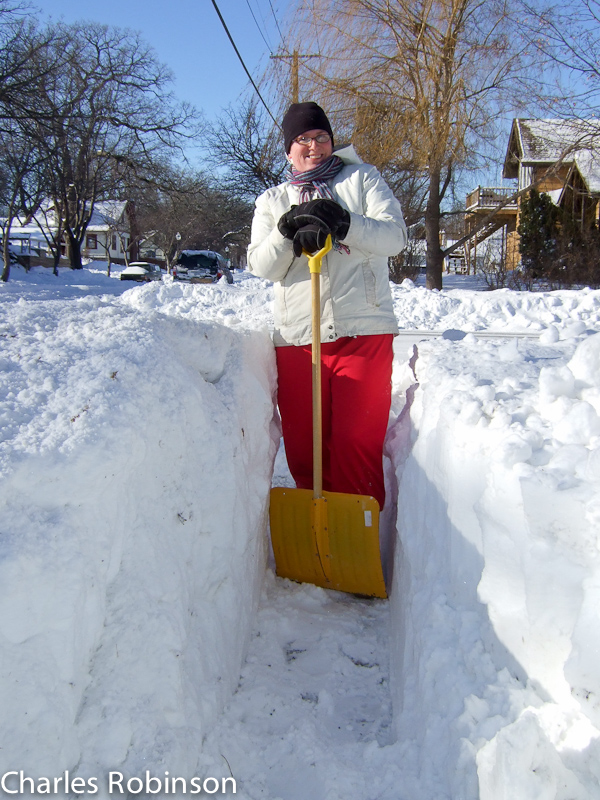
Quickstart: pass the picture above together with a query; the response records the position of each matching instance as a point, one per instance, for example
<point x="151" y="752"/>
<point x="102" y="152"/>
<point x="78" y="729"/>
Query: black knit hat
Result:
<point x="302" y="117"/>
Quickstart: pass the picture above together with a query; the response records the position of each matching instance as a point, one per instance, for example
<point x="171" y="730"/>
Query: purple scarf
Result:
<point x="315" y="180"/>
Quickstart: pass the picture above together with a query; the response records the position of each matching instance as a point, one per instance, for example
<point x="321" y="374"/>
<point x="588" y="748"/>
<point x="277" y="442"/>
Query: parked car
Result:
<point x="142" y="272"/>
<point x="201" y="266"/>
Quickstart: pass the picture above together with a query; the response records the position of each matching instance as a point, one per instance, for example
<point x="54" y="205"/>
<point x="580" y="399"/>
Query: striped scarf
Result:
<point x="315" y="180"/>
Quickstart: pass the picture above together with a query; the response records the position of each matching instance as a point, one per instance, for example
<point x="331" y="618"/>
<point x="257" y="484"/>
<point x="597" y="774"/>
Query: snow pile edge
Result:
<point x="132" y="545"/>
<point x="495" y="656"/>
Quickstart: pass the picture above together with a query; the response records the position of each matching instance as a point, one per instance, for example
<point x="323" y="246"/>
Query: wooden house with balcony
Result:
<point x="482" y="202"/>
<point x="558" y="157"/>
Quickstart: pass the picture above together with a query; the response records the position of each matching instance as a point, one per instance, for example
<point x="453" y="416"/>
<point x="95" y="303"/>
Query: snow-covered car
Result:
<point x="201" y="266"/>
<point x="142" y="272"/>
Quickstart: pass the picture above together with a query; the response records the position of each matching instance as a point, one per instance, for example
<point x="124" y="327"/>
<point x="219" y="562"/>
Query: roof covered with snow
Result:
<point x="546" y="141"/>
<point x="588" y="164"/>
<point x="107" y="214"/>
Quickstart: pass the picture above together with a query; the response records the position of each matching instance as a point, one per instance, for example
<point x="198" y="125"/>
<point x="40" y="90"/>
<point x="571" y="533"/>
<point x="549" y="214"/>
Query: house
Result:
<point x="580" y="195"/>
<point x="111" y="232"/>
<point x="559" y="157"/>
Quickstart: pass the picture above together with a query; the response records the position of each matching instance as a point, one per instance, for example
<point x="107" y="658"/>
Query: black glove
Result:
<point x="321" y="211"/>
<point x="297" y="217"/>
<point x="287" y="224"/>
<point x="327" y="211"/>
<point x="310" y="238"/>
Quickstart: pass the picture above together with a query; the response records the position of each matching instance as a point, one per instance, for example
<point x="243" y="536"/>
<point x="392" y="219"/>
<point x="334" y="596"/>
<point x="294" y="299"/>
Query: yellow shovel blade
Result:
<point x="332" y="541"/>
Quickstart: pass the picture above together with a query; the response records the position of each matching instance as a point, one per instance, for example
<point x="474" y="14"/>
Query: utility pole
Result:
<point x="295" y="57"/>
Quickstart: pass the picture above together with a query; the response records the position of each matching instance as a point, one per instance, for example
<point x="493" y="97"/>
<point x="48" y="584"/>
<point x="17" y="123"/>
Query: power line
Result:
<point x="276" y="20"/>
<point x="237" y="52"/>
<point x="258" y="26"/>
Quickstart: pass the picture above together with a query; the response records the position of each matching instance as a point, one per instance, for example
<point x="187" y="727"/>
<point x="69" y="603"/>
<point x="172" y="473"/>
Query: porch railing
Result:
<point x="490" y="197"/>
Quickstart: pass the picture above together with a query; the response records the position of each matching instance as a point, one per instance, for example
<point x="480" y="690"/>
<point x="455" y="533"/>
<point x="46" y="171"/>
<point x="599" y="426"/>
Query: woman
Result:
<point x="331" y="192"/>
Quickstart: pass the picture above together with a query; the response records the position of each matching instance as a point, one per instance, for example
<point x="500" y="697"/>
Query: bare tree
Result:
<point x="103" y="116"/>
<point x="567" y="38"/>
<point x="26" y="59"/>
<point x="24" y="66"/>
<point x="415" y="83"/>
<point x="191" y="206"/>
<point x="23" y="184"/>
<point x="49" y="219"/>
<point x="249" y="148"/>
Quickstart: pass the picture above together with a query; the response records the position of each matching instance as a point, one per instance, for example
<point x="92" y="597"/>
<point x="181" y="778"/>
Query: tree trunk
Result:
<point x="6" y="257"/>
<point x="56" y="260"/>
<point x="134" y="233"/>
<point x="435" y="256"/>
<point x="6" y="243"/>
<point x="75" y="251"/>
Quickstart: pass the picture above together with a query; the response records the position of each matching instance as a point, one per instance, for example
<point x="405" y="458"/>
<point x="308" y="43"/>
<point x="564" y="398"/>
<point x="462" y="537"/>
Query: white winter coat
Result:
<point x="355" y="291"/>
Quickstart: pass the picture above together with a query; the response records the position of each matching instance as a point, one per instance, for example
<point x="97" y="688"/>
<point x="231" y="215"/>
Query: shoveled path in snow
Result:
<point x="313" y="703"/>
<point x="313" y="706"/>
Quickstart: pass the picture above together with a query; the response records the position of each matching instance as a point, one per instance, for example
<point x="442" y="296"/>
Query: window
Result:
<point x="525" y="176"/>
<point x="91" y="241"/>
<point x="114" y="242"/>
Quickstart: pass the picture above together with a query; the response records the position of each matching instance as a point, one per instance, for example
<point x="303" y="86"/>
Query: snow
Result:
<point x="142" y="630"/>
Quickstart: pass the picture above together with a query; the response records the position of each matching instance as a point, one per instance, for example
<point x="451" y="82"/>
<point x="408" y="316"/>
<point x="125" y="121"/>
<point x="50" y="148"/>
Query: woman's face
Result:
<point x="308" y="156"/>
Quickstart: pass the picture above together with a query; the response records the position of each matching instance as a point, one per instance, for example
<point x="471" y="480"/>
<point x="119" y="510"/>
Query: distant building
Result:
<point x="111" y="233"/>
<point x="559" y="157"/>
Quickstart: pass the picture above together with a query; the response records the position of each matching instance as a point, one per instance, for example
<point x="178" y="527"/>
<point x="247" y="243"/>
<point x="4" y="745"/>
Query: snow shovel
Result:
<point x="329" y="539"/>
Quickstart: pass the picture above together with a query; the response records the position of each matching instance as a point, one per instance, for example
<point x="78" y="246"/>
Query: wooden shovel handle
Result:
<point x="314" y="264"/>
<point x="317" y="410"/>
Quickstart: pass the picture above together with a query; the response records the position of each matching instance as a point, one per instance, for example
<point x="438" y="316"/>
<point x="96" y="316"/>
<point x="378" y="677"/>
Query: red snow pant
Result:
<point x="356" y="396"/>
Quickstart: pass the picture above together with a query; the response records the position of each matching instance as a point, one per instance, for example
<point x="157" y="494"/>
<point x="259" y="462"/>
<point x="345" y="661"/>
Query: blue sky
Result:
<point x="188" y="36"/>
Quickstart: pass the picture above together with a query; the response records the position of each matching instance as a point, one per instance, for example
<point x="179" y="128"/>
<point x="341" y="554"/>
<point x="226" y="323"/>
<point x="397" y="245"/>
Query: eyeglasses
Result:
<point x="322" y="138"/>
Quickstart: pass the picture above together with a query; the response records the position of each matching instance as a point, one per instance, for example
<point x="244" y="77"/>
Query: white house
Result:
<point x="109" y="232"/>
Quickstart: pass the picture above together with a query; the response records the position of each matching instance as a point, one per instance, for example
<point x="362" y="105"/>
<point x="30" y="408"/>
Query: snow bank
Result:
<point x="569" y="312"/>
<point x="136" y="458"/>
<point x="495" y="605"/>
